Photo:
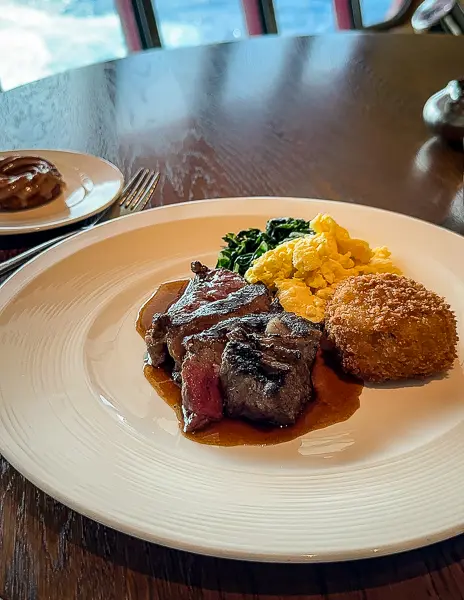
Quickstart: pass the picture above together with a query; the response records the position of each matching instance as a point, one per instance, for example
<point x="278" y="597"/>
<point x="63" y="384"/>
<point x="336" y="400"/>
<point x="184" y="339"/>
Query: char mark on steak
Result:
<point x="267" y="377"/>
<point x="208" y="285"/>
<point x="253" y="298"/>
<point x="261" y="365"/>
<point x="201" y="388"/>
<point x="253" y="323"/>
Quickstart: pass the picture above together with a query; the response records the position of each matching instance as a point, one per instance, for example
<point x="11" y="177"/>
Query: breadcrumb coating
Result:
<point x="389" y="327"/>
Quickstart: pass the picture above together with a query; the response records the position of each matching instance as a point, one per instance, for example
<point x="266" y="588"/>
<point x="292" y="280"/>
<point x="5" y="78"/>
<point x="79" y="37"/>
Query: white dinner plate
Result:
<point x="92" y="184"/>
<point x="78" y="418"/>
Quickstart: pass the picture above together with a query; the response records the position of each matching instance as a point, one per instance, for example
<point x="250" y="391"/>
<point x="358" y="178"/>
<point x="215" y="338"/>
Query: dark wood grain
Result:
<point x="336" y="117"/>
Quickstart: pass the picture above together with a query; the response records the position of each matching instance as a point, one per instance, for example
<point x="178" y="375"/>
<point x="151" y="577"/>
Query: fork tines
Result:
<point x="137" y="193"/>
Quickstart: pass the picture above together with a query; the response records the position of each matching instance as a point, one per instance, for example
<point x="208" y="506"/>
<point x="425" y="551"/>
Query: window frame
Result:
<point x="260" y="19"/>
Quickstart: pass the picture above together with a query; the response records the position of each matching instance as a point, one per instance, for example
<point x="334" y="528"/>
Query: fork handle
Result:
<point x="20" y="259"/>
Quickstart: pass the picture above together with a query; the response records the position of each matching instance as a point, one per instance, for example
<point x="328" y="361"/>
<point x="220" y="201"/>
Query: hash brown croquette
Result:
<point x="388" y="327"/>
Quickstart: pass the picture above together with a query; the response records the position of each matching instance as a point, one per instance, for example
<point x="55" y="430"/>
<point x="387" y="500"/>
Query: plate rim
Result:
<point x="273" y="556"/>
<point x="26" y="229"/>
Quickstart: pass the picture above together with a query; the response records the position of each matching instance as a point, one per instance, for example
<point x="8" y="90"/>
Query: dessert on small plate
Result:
<point x="28" y="182"/>
<point x="45" y="189"/>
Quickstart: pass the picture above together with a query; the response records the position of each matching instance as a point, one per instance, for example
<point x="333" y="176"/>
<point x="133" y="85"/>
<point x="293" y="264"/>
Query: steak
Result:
<point x="218" y="334"/>
<point x="267" y="377"/>
<point x="236" y="352"/>
<point x="201" y="388"/>
<point x="259" y="366"/>
<point x="253" y="298"/>
<point x="210" y="297"/>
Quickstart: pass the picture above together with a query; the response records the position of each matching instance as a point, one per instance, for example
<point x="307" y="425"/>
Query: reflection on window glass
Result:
<point x="378" y="11"/>
<point x="194" y="22"/>
<point x="42" y="37"/>
<point x="300" y="17"/>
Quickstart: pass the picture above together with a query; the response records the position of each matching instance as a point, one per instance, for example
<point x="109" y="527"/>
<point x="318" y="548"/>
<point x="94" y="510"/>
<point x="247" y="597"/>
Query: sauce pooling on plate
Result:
<point x="337" y="395"/>
<point x="159" y="302"/>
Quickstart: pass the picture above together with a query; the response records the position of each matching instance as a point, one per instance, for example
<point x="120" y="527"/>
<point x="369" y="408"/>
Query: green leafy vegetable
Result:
<point x="246" y="246"/>
<point x="284" y="228"/>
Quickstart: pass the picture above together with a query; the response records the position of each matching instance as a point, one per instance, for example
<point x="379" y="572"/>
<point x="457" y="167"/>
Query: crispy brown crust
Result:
<point x="388" y="327"/>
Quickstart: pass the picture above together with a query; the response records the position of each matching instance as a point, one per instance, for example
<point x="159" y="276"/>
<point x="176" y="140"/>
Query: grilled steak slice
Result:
<point x="261" y="363"/>
<point x="155" y="339"/>
<point x="254" y="298"/>
<point x="206" y="287"/>
<point x="252" y="323"/>
<point x="201" y="387"/>
<point x="267" y="377"/>
<point x="289" y="324"/>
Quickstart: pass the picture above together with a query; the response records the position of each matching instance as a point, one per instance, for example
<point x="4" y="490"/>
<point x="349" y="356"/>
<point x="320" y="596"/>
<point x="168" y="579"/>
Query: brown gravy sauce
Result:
<point x="28" y="181"/>
<point x="159" y="302"/>
<point x="336" y="394"/>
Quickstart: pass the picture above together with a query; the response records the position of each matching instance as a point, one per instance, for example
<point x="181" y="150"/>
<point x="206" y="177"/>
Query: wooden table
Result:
<point x="336" y="117"/>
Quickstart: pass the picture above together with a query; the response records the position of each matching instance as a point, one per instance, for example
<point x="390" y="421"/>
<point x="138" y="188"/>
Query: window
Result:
<point x="42" y="37"/>
<point x="378" y="11"/>
<point x="305" y="17"/>
<point x="193" y="22"/>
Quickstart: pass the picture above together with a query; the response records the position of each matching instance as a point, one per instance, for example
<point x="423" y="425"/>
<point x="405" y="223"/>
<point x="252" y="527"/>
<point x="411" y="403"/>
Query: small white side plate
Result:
<point x="92" y="184"/>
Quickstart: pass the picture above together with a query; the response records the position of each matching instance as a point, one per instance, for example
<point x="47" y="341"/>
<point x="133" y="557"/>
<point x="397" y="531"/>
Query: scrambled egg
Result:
<point x="306" y="270"/>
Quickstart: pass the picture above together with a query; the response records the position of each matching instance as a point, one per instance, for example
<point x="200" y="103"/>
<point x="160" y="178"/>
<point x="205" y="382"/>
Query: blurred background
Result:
<point x="42" y="37"/>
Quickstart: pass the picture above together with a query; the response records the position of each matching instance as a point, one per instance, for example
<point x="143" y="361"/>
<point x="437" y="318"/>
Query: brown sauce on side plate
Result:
<point x="336" y="394"/>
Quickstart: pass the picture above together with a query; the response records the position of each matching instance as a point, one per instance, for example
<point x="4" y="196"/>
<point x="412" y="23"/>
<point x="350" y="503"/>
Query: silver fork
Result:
<point x="134" y="198"/>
